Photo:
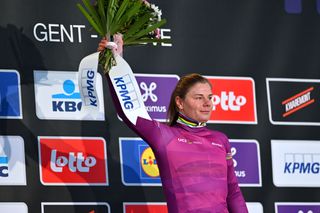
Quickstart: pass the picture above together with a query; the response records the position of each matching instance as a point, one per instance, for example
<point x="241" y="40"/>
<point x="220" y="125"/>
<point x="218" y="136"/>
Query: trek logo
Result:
<point x="72" y="161"/>
<point x="58" y="97"/>
<point x="13" y="207"/>
<point x="246" y="161"/>
<point x="156" y="92"/>
<point x="12" y="161"/>
<point x="10" y="95"/>
<point x="138" y="163"/>
<point x="296" y="163"/>
<point x="293" y="101"/>
<point x="233" y="100"/>
<point x="295" y="6"/>
<point x="141" y="207"/>
<point x="310" y="207"/>
<point x="127" y="93"/>
<point x="83" y="207"/>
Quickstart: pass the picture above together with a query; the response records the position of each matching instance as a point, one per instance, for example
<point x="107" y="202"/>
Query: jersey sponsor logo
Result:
<point x="57" y="96"/>
<point x="83" y="207"/>
<point x="13" y="207"/>
<point x="10" y="95"/>
<point x="246" y="162"/>
<point x="156" y="92"/>
<point x="297" y="207"/>
<point x="73" y="161"/>
<point x="293" y="101"/>
<point x="296" y="163"/>
<point x="138" y="164"/>
<point x="12" y="161"/>
<point x="254" y="207"/>
<point x="233" y="100"/>
<point x="141" y="207"/>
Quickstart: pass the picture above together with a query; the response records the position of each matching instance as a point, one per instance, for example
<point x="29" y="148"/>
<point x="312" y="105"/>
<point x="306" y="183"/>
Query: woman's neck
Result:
<point x="185" y="120"/>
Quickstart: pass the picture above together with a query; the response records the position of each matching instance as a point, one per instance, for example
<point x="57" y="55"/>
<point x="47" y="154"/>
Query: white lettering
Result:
<point x="228" y="101"/>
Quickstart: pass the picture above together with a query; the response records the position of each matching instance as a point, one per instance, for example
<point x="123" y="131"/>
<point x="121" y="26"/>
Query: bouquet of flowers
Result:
<point x="137" y="21"/>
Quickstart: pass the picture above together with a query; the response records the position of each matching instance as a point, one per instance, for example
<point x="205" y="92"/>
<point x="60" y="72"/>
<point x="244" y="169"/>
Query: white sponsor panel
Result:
<point x="254" y="207"/>
<point x="296" y="163"/>
<point x="12" y="161"/>
<point x="57" y="97"/>
<point x="13" y="207"/>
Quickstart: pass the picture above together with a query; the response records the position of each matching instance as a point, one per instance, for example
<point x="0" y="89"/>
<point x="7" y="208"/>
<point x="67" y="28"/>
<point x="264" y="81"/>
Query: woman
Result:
<point x="195" y="163"/>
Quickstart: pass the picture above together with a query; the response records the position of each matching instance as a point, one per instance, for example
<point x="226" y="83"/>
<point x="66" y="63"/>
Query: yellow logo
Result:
<point x="149" y="163"/>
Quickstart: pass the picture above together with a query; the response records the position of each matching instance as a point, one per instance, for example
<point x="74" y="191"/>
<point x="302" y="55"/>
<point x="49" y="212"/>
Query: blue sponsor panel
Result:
<point x="138" y="163"/>
<point x="10" y="95"/>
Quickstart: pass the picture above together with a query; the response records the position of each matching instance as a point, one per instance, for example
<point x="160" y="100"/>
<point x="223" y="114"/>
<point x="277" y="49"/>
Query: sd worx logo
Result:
<point x="73" y="161"/>
<point x="293" y="101"/>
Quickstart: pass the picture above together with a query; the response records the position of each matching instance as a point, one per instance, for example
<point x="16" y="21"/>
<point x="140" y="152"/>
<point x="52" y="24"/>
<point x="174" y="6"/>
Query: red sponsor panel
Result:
<point x="233" y="100"/>
<point x="145" y="208"/>
<point x="74" y="161"/>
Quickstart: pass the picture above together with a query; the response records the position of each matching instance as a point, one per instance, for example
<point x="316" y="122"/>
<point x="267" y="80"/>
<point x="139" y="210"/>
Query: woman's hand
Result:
<point x="102" y="44"/>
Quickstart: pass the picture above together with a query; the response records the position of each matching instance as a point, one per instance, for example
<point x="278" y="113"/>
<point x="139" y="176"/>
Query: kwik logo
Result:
<point x="138" y="163"/>
<point x="293" y="101"/>
<point x="12" y="161"/>
<point x="57" y="96"/>
<point x="10" y="95"/>
<point x="73" y="161"/>
<point x="156" y="92"/>
<point x="233" y="100"/>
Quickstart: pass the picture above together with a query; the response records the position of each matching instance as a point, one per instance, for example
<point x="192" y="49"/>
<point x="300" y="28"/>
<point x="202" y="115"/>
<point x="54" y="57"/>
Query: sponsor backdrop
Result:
<point x="262" y="58"/>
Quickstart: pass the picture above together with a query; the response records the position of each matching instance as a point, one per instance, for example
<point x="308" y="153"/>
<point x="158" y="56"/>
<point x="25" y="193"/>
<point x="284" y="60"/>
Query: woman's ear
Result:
<point x="179" y="103"/>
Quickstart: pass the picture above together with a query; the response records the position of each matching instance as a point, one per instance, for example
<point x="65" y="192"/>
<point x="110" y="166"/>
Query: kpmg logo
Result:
<point x="13" y="207"/>
<point x="73" y="161"/>
<point x="128" y="95"/>
<point x="57" y="96"/>
<point x="12" y="161"/>
<point x="298" y="207"/>
<point x="10" y="95"/>
<point x="156" y="92"/>
<point x="84" y="207"/>
<point x="144" y="207"/>
<point x="246" y="161"/>
<point x="293" y="101"/>
<point x="233" y="100"/>
<point x="138" y="164"/>
<point x="295" y="6"/>
<point x="296" y="163"/>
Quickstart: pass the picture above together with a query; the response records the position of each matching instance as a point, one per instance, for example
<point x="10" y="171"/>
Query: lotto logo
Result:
<point x="74" y="161"/>
<point x="144" y="207"/>
<point x="233" y="100"/>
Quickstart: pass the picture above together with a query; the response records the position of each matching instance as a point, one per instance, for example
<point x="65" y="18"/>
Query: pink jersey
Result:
<point x="195" y="165"/>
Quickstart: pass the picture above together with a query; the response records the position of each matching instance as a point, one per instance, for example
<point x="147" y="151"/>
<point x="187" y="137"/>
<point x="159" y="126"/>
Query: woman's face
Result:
<point x="197" y="103"/>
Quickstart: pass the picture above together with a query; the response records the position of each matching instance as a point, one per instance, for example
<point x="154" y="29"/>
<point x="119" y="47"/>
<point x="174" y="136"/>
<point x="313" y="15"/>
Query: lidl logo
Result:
<point x="58" y="97"/>
<point x="12" y="161"/>
<point x="233" y="100"/>
<point x="73" y="161"/>
<point x="138" y="163"/>
<point x="75" y="207"/>
<point x="293" y="101"/>
<point x="156" y="92"/>
<point x="140" y="207"/>
<point x="10" y="95"/>
<point x="13" y="207"/>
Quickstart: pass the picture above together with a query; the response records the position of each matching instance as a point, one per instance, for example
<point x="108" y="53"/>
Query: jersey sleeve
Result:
<point x="128" y="103"/>
<point x="235" y="200"/>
